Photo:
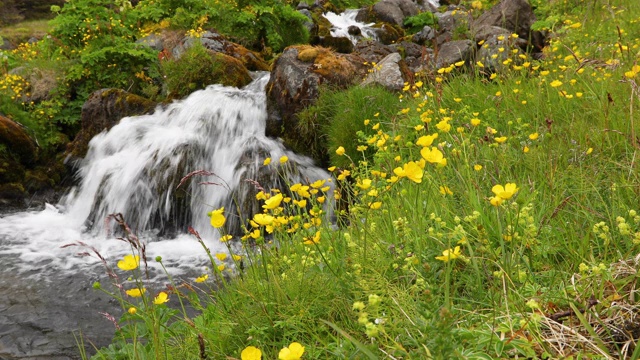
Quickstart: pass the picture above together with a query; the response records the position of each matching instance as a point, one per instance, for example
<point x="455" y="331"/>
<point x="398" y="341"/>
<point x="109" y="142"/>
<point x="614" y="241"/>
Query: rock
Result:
<point x="484" y="32"/>
<point x="372" y="51"/>
<point x="311" y="26"/>
<point x="354" y="30"/>
<point x="387" y="73"/>
<point x="153" y="41"/>
<point x="250" y="59"/>
<point x="514" y="15"/>
<point x="424" y="36"/>
<point x="454" y="51"/>
<point x="388" y="33"/>
<point x="415" y="56"/>
<point x="454" y="21"/>
<point x="6" y="45"/>
<point x="340" y="44"/>
<point x="102" y="110"/>
<point x="394" y="11"/>
<point x="11" y="193"/>
<point x="294" y="84"/>
<point x="16" y="141"/>
<point x="496" y="50"/>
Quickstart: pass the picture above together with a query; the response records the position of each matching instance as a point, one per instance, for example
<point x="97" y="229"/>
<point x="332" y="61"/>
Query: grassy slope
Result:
<point x="375" y="288"/>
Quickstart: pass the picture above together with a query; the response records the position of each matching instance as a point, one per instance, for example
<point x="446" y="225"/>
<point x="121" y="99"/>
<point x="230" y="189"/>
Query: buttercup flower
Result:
<point x="340" y="151"/>
<point x="202" y="278"/>
<point x="135" y="292"/>
<point x="433" y="155"/>
<point x="161" y="298"/>
<point x="132" y="310"/>
<point x="413" y="171"/>
<point x="217" y="218"/>
<point x="284" y="159"/>
<point x="251" y="353"/>
<point x="505" y="192"/>
<point x="272" y="202"/>
<point x="267" y="161"/>
<point x="129" y="262"/>
<point x="450" y="254"/>
<point x="292" y="352"/>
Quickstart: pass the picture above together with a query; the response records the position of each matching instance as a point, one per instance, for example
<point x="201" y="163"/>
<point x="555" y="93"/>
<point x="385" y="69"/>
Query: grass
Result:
<point x="433" y="259"/>
<point x="23" y="31"/>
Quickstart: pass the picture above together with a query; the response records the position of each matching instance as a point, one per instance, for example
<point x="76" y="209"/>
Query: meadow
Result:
<point x="479" y="216"/>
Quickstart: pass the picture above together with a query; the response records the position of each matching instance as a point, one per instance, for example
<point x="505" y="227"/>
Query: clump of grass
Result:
<point x="23" y="31"/>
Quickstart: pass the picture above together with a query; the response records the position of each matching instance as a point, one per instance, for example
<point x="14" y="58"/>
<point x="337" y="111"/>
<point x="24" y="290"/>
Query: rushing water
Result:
<point x="340" y="24"/>
<point x="135" y="169"/>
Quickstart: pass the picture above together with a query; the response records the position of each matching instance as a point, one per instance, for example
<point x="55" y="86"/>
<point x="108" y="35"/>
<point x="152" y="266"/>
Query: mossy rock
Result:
<point x="11" y="192"/>
<point x="15" y="140"/>
<point x="388" y="33"/>
<point x="200" y="67"/>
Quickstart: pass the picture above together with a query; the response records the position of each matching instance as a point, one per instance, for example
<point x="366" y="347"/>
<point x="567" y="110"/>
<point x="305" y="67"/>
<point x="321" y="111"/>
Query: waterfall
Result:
<point x="340" y="24"/>
<point x="135" y="169"/>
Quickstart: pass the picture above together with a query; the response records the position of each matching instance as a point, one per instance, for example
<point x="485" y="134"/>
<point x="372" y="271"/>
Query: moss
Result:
<point x="389" y="33"/>
<point x="307" y="54"/>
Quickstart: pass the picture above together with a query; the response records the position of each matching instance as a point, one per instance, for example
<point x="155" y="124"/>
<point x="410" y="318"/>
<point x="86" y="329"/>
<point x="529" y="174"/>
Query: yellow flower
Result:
<point x="496" y="200"/>
<point x="375" y="205"/>
<point x="221" y="267"/>
<point x="477" y="167"/>
<point x="426" y="140"/>
<point x="221" y="256"/>
<point x="217" y="218"/>
<point x="505" y="192"/>
<point x="450" y="254"/>
<point x="310" y="240"/>
<point x="340" y="151"/>
<point x="129" y="262"/>
<point x="272" y="202"/>
<point x="589" y="151"/>
<point x="251" y="353"/>
<point x="444" y="190"/>
<point x="292" y="352"/>
<point x="318" y="184"/>
<point x="135" y="292"/>
<point x="433" y="155"/>
<point x="267" y="161"/>
<point x="161" y="298"/>
<point x="525" y="149"/>
<point x="226" y="238"/>
<point x="284" y="159"/>
<point x="263" y="219"/>
<point x="202" y="278"/>
<point x="475" y="121"/>
<point x="132" y="310"/>
<point x="556" y="83"/>
<point x="501" y="139"/>
<point x="533" y="136"/>
<point x="365" y="184"/>
<point x="413" y="171"/>
<point x="444" y="126"/>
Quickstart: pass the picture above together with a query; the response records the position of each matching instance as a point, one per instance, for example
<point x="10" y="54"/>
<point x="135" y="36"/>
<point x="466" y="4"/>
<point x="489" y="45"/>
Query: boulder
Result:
<point x="218" y="43"/>
<point x="424" y="36"/>
<point x="416" y="57"/>
<point x="514" y="15"/>
<point x="387" y="73"/>
<point x="15" y="139"/>
<point x="102" y="110"/>
<point x="496" y="50"/>
<point x="454" y="51"/>
<point x="294" y="84"/>
<point x="394" y="11"/>
<point x="372" y="51"/>
<point x="388" y="33"/>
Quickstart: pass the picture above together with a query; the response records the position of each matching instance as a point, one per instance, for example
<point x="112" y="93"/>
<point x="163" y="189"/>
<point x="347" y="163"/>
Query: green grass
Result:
<point x="423" y="265"/>
<point x="23" y="31"/>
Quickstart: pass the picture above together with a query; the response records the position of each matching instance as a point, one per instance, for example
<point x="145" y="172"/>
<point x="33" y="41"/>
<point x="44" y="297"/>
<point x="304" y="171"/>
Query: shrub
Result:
<point x="415" y="23"/>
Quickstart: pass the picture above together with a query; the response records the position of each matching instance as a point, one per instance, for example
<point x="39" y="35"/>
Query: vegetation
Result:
<point x="490" y="217"/>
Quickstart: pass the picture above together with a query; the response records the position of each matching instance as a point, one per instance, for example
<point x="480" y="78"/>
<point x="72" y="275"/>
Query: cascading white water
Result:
<point x="340" y="24"/>
<point x="135" y="168"/>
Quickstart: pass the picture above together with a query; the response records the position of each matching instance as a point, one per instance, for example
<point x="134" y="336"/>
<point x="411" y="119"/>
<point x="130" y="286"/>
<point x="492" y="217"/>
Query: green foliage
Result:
<point x="197" y="68"/>
<point x="417" y="22"/>
<point x="340" y="116"/>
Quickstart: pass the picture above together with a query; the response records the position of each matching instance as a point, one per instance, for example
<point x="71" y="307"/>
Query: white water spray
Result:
<point x="340" y="24"/>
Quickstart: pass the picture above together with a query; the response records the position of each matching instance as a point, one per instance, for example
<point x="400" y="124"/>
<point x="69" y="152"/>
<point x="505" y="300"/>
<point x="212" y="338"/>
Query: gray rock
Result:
<point x="387" y="73"/>
<point x="394" y="11"/>
<point x="373" y="51"/>
<point x="453" y="21"/>
<point x="514" y="15"/>
<point x="496" y="50"/>
<point x="454" y="51"/>
<point x="153" y="41"/>
<point x="424" y="36"/>
<point x="416" y="57"/>
<point x="485" y="32"/>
